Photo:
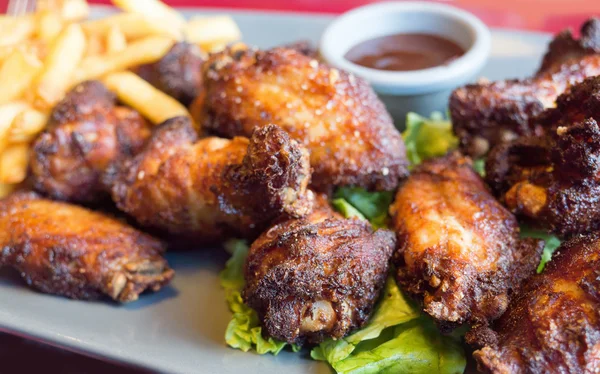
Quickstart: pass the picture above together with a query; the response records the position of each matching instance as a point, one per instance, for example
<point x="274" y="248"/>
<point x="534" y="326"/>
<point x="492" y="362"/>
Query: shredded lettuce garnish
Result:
<point x="244" y="331"/>
<point x="552" y="242"/>
<point x="427" y="137"/>
<point x="357" y="202"/>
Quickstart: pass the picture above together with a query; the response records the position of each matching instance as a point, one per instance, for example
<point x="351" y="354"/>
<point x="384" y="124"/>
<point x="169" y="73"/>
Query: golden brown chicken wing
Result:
<point x="86" y="132"/>
<point x="487" y="114"/>
<point x="67" y="250"/>
<point x="316" y="277"/>
<point x="554" y="180"/>
<point x="213" y="188"/>
<point x="458" y="249"/>
<point x="178" y="73"/>
<point x="337" y="116"/>
<point x="553" y="324"/>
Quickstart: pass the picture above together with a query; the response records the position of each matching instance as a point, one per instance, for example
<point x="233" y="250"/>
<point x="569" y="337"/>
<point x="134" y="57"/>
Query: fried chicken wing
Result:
<point x="554" y="180"/>
<point x="213" y="188"/>
<point x="553" y="324"/>
<point x="486" y="114"/>
<point x="178" y="73"/>
<point x="337" y="116"/>
<point x="316" y="277"/>
<point x="86" y="132"/>
<point x="67" y="250"/>
<point x="458" y="249"/>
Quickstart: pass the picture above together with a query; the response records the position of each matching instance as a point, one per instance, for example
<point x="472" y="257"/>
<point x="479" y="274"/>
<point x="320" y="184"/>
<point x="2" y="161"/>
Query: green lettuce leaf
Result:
<point x="397" y="339"/>
<point x="552" y="242"/>
<point x="243" y="331"/>
<point x="372" y="206"/>
<point x="427" y="137"/>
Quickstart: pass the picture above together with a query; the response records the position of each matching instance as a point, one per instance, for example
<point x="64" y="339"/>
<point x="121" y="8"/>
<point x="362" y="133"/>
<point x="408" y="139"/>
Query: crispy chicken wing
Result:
<point x="458" y="249"/>
<point x="337" y="116"/>
<point x="67" y="250"/>
<point x="213" y="188"/>
<point x="487" y="114"/>
<point x="553" y="324"/>
<point x="316" y="277"/>
<point x="554" y="180"/>
<point x="178" y="73"/>
<point x="86" y="132"/>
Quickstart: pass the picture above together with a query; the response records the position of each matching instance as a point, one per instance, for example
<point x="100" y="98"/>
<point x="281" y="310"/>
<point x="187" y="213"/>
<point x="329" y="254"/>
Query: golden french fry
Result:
<point x="143" y="97"/>
<point x="133" y="26"/>
<point x="49" y="25"/>
<point x="115" y="40"/>
<point x="26" y="126"/>
<point x="94" y="45"/>
<point x="8" y="112"/>
<point x="16" y="74"/>
<point x="55" y="78"/>
<point x="13" y="163"/>
<point x="211" y="33"/>
<point x="139" y="52"/>
<point x="153" y="9"/>
<point x="6" y="189"/>
<point x="68" y="10"/>
<point x="15" y="30"/>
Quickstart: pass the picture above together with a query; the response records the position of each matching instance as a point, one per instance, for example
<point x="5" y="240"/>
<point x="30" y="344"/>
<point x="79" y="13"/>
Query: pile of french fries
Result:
<point x="45" y="53"/>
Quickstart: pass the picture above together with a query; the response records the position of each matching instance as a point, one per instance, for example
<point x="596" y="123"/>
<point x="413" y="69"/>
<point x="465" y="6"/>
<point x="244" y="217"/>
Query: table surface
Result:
<point x="534" y="15"/>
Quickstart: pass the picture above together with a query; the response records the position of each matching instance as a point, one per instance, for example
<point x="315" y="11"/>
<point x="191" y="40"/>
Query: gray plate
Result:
<point x="180" y="329"/>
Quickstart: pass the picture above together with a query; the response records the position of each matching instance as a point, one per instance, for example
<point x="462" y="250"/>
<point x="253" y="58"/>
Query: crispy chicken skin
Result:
<point x="338" y="117"/>
<point x="554" y="180"/>
<point x="178" y="73"/>
<point x="213" y="188"/>
<point x="459" y="250"/>
<point x="317" y="277"/>
<point x="486" y="114"/>
<point x="86" y="132"/>
<point x="553" y="324"/>
<point x="67" y="250"/>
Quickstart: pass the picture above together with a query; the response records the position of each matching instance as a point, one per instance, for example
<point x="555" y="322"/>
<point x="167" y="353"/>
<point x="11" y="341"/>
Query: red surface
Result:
<point x="18" y="355"/>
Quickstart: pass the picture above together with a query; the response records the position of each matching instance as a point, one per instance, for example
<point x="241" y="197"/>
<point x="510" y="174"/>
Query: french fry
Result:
<point x="26" y="126"/>
<point x="115" y="40"/>
<point x="15" y="30"/>
<point x="8" y="113"/>
<point x="133" y="26"/>
<point x="94" y="46"/>
<point x="140" y="52"/>
<point x="212" y="33"/>
<point x="68" y="10"/>
<point x="49" y="25"/>
<point x="6" y="189"/>
<point x="62" y="60"/>
<point x="152" y="9"/>
<point x="143" y="97"/>
<point x="16" y="74"/>
<point x="13" y="163"/>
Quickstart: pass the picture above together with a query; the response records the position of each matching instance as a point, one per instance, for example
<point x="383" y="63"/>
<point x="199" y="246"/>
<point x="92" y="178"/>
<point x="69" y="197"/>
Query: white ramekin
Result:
<point x="421" y="90"/>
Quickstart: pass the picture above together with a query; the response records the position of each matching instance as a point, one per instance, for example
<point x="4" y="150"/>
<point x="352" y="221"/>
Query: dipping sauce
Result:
<point x="404" y="52"/>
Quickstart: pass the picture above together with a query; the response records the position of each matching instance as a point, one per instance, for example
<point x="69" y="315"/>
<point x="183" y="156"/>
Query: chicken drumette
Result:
<point x="67" y="250"/>
<point x="487" y="114"/>
<point x="316" y="277"/>
<point x="553" y="324"/>
<point x="86" y="132"/>
<point x="337" y="116"/>
<point x="554" y="180"/>
<point x="458" y="249"/>
<point x="213" y="188"/>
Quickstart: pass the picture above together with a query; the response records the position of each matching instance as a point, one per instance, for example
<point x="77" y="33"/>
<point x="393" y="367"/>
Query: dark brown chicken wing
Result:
<point x="553" y="324"/>
<point x="67" y="250"/>
<point x="178" y="73"/>
<point x="554" y="180"/>
<point x="316" y="277"/>
<point x="213" y="188"/>
<point x="487" y="114"/>
<point x="337" y="116"/>
<point x="458" y="249"/>
<point x="86" y="132"/>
